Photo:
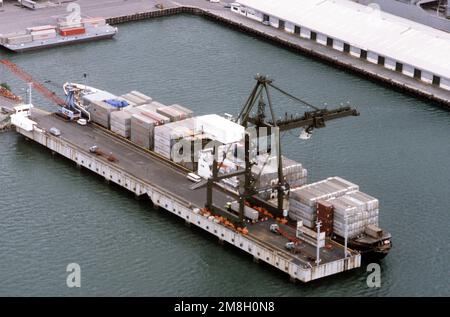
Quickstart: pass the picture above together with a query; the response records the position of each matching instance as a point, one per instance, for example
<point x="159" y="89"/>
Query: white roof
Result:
<point x="364" y="27"/>
<point x="220" y="128"/>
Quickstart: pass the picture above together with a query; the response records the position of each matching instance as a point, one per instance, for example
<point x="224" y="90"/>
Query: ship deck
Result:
<point x="144" y="165"/>
<point x="93" y="33"/>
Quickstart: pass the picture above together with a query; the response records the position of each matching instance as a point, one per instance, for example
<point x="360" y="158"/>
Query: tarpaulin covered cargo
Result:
<point x="100" y="112"/>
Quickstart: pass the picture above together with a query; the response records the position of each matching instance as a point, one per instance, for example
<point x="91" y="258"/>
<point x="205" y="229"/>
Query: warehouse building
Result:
<point x="395" y="43"/>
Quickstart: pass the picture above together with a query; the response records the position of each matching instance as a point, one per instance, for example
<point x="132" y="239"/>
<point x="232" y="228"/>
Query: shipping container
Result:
<point x="71" y="31"/>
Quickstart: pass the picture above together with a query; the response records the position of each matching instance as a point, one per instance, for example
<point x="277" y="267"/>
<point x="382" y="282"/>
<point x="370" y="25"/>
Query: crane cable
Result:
<point x="293" y="97"/>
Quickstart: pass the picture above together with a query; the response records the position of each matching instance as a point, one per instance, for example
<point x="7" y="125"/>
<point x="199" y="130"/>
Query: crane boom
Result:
<point x="19" y="72"/>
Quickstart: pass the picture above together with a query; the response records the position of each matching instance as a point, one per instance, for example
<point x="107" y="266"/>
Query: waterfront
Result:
<point x="53" y="214"/>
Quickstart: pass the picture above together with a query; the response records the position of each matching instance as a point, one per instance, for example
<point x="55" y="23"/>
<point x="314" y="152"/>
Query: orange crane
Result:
<point x="29" y="79"/>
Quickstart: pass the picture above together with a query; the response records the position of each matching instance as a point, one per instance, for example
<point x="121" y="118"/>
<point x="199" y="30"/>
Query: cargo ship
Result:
<point x="223" y="174"/>
<point x="63" y="33"/>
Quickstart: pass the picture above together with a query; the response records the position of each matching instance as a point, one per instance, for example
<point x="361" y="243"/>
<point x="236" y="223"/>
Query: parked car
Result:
<point x="194" y="177"/>
<point x="54" y="131"/>
<point x="93" y="149"/>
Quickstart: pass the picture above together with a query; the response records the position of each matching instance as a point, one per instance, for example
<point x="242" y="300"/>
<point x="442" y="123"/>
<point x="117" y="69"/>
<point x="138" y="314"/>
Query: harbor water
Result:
<point x="52" y="214"/>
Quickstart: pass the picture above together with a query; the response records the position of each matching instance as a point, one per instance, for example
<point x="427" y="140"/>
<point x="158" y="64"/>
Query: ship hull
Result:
<point x="376" y="250"/>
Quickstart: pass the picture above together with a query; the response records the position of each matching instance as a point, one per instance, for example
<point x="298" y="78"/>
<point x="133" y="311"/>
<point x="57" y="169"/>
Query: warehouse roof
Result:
<point x="364" y="27"/>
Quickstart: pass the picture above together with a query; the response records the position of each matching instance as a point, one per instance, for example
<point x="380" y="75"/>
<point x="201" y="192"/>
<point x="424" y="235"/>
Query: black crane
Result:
<point x="310" y="120"/>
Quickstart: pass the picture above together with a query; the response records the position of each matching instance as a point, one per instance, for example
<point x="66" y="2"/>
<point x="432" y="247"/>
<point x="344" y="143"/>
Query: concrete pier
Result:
<point x="14" y="19"/>
<point x="167" y="186"/>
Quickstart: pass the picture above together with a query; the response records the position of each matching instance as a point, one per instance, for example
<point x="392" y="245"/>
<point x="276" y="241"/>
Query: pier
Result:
<point x="118" y="12"/>
<point x="145" y="174"/>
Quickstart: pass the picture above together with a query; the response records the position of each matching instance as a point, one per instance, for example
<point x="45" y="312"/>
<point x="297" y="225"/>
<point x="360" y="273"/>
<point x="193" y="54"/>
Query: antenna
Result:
<point x="318" y="225"/>
<point x="29" y="91"/>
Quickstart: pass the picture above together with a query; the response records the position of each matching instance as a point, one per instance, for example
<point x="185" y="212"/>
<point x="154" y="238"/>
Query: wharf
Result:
<point x="144" y="173"/>
<point x="116" y="11"/>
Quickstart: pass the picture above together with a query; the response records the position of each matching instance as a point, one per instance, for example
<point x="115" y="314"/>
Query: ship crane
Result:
<point x="310" y="120"/>
<point x="66" y="109"/>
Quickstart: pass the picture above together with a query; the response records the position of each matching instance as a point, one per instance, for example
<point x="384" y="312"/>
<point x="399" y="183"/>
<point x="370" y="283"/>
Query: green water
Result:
<point x="52" y="214"/>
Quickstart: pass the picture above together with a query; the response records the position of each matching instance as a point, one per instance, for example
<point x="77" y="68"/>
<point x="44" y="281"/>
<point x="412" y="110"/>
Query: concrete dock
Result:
<point x="13" y="19"/>
<point x="143" y="173"/>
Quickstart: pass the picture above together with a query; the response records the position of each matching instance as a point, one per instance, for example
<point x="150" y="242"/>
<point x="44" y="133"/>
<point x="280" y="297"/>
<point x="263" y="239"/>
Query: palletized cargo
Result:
<point x="142" y="96"/>
<point x="167" y="135"/>
<point x="19" y="39"/>
<point x="172" y="113"/>
<point x="154" y="115"/>
<point x="93" y="22"/>
<point x="40" y="28"/>
<point x="142" y="130"/>
<point x="43" y="35"/>
<point x="100" y="112"/>
<point x="97" y="96"/>
<point x="188" y="113"/>
<point x="133" y="99"/>
<point x="121" y="122"/>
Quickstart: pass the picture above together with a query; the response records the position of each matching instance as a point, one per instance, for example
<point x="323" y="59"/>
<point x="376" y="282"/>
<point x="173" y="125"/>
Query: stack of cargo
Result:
<point x="142" y="130"/>
<point x="15" y="38"/>
<point x="133" y="99"/>
<point x="121" y="121"/>
<point x="220" y="129"/>
<point x="101" y="112"/>
<point x="93" y="22"/>
<point x="96" y="96"/>
<point x="303" y="200"/>
<point x="360" y="210"/>
<point x="146" y="111"/>
<point x="68" y="27"/>
<point x="167" y="135"/>
<point x="140" y="95"/>
<point x="226" y="167"/>
<point x="188" y="113"/>
<point x="45" y="32"/>
<point x="175" y="112"/>
<point x="266" y="174"/>
<point x="143" y="122"/>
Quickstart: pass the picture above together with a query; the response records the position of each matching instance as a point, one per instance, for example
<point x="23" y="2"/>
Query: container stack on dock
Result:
<point x="143" y="125"/>
<point x="36" y="33"/>
<point x="315" y="201"/>
<point x="68" y="27"/>
<point x="133" y="100"/>
<point x="121" y="121"/>
<point x="16" y="38"/>
<point x="266" y="174"/>
<point x="360" y="209"/>
<point x="93" y="22"/>
<point x="142" y="128"/>
<point x="175" y="112"/>
<point x="303" y="201"/>
<point x="167" y="135"/>
<point x="101" y="112"/>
